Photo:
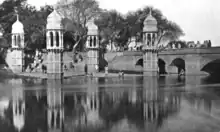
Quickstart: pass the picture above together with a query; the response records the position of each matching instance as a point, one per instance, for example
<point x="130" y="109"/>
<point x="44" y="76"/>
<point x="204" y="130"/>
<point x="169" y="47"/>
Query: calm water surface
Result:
<point x="129" y="104"/>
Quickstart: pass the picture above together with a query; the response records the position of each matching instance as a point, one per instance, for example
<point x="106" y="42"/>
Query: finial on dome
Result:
<point x="16" y="12"/>
<point x="54" y="7"/>
<point x="92" y="20"/>
<point x="17" y="17"/>
<point x="150" y="13"/>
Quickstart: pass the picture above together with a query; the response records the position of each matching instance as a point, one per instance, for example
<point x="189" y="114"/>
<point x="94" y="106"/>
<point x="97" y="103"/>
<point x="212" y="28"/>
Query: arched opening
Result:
<point x="18" y="40"/>
<point x="153" y="39"/>
<point x="140" y="62"/>
<point x="144" y="37"/>
<point x="213" y="68"/>
<point x="180" y="64"/>
<point x="94" y="41"/>
<point x="90" y="41"/>
<point x="148" y="39"/>
<point x="15" y="40"/>
<point x="102" y="62"/>
<point x="162" y="66"/>
<point x="51" y="39"/>
<point x="57" y="39"/>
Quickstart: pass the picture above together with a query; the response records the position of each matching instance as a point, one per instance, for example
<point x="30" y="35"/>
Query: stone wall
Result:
<point x="194" y="59"/>
<point x="110" y="56"/>
<point x="124" y="61"/>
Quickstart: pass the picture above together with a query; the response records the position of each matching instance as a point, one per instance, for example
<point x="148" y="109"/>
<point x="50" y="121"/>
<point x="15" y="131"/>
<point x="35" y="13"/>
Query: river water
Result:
<point x="111" y="104"/>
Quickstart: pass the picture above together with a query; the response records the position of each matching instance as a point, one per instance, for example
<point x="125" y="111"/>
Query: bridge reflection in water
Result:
<point x="108" y="104"/>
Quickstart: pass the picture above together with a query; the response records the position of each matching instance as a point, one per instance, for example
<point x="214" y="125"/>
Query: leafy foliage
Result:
<point x="113" y="27"/>
<point x="78" y="12"/>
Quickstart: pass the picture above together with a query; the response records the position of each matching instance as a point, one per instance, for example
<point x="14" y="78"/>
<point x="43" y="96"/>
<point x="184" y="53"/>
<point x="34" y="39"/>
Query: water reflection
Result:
<point x="158" y="105"/>
<point x="55" y="109"/>
<point x="18" y="104"/>
<point x="103" y="104"/>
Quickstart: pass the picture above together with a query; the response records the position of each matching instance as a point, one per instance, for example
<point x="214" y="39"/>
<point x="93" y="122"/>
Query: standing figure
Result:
<point x="86" y="69"/>
<point x="106" y="70"/>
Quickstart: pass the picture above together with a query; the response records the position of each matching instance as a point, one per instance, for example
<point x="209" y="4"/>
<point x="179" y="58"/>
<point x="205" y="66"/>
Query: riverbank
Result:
<point x="4" y="73"/>
<point x="74" y="74"/>
<point x="44" y="76"/>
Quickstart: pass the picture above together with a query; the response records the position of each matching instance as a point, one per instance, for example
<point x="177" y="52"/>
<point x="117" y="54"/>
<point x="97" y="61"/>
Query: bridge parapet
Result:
<point x="186" y="51"/>
<point x="182" y="51"/>
<point x="132" y="53"/>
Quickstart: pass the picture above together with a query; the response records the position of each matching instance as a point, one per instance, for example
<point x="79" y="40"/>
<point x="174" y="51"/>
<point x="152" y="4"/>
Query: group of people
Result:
<point x="33" y="62"/>
<point x="71" y="66"/>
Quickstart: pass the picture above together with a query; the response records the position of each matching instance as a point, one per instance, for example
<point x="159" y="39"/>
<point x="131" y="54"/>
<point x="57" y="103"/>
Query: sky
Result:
<point x="199" y="19"/>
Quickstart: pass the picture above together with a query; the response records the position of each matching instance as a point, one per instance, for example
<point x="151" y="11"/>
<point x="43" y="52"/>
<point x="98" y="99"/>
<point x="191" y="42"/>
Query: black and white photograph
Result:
<point x="109" y="66"/>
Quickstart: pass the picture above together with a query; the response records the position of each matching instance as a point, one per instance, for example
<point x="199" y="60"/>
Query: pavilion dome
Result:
<point x="54" y="20"/>
<point x="150" y="24"/>
<point x="17" y="27"/>
<point x="92" y="28"/>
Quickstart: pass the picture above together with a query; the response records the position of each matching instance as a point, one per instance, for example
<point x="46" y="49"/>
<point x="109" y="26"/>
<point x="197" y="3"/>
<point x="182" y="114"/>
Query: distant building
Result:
<point x="65" y="1"/>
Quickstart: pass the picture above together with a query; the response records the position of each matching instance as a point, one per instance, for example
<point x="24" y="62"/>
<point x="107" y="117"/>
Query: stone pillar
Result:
<point x="93" y="54"/>
<point x="55" y="56"/>
<point x="55" y="52"/>
<point x="150" y="59"/>
<point x="150" y="50"/>
<point x="18" y="53"/>
<point x="92" y="47"/>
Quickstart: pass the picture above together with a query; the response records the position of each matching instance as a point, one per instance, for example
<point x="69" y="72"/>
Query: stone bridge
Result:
<point x="193" y="60"/>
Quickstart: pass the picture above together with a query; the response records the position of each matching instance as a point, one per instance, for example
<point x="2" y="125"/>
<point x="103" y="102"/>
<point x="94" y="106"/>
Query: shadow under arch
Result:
<point x="179" y="63"/>
<point x="140" y="62"/>
<point x="162" y="66"/>
<point x="213" y="67"/>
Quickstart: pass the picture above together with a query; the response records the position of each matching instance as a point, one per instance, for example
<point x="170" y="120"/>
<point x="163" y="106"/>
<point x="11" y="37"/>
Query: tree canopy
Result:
<point x="113" y="26"/>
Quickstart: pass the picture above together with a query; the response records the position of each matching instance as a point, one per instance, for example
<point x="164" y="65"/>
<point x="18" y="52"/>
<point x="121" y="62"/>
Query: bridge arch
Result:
<point x="140" y="62"/>
<point x="179" y="63"/>
<point x="162" y="66"/>
<point x="212" y="67"/>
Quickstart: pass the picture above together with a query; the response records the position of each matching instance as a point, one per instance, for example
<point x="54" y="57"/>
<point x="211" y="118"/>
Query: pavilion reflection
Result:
<point x="63" y="108"/>
<point x="55" y="110"/>
<point x="205" y="104"/>
<point x="18" y="104"/>
<point x="158" y="104"/>
<point x="93" y="102"/>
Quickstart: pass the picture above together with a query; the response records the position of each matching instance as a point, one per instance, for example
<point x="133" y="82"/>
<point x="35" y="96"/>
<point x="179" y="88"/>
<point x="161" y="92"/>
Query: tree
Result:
<point x="34" y="21"/>
<point x="78" y="12"/>
<point x="8" y="17"/>
<point x="35" y="28"/>
<point x="136" y="27"/>
<point x="112" y="27"/>
<point x="118" y="29"/>
<point x="168" y="30"/>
